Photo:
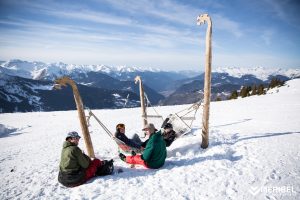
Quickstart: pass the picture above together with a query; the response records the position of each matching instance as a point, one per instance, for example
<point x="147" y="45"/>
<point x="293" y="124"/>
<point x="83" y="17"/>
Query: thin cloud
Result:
<point x="166" y="10"/>
<point x="91" y="16"/>
<point x="267" y="36"/>
<point x="223" y="23"/>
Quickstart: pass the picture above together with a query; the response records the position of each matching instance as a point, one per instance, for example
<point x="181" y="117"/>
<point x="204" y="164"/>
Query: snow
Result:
<point x="39" y="74"/>
<point x="253" y="153"/>
<point x="41" y="87"/>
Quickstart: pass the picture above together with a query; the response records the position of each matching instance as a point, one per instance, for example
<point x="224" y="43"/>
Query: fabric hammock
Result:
<point x="122" y="146"/>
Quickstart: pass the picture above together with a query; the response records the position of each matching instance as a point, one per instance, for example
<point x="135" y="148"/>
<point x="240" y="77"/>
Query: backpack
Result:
<point x="106" y="168"/>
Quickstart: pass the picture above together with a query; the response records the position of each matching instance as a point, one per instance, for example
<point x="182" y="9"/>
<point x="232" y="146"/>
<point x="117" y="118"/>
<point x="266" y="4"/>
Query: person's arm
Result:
<point x="148" y="151"/>
<point x="144" y="144"/>
<point x="83" y="160"/>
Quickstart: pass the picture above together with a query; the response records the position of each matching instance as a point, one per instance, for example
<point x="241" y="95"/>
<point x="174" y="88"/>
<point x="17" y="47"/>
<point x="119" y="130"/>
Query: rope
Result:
<point x="100" y="123"/>
<point x="195" y="114"/>
<point x="195" y="107"/>
<point x="149" y="103"/>
<point x="118" y="141"/>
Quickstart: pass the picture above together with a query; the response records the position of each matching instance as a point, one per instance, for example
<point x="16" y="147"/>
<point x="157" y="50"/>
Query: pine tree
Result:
<point x="254" y="90"/>
<point x="261" y="89"/>
<point x="218" y="98"/>
<point x="248" y="90"/>
<point x="244" y="92"/>
<point x="275" y="82"/>
<point x="234" y="95"/>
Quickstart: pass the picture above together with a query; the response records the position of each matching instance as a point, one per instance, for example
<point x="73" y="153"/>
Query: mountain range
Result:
<point x="27" y="86"/>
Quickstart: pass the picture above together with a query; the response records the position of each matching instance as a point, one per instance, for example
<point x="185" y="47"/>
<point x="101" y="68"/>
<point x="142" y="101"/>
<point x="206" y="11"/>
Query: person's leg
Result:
<point x="92" y="168"/>
<point x="136" y="160"/>
<point x="136" y="139"/>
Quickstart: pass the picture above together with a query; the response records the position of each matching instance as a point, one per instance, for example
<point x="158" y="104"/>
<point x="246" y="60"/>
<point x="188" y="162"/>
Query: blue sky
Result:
<point x="143" y="33"/>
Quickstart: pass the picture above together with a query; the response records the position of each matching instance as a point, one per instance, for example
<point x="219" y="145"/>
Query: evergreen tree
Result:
<point x="244" y="92"/>
<point x="248" y="90"/>
<point x="261" y="89"/>
<point x="275" y="82"/>
<point x="234" y="95"/>
<point x="254" y="90"/>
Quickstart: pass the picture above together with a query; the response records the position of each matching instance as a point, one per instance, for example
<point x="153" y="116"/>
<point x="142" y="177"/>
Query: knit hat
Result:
<point x="168" y="126"/>
<point x="72" y="134"/>
<point x="150" y="126"/>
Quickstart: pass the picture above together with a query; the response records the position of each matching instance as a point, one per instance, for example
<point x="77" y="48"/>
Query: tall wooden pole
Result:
<point x="142" y="99"/>
<point x="205" y="118"/>
<point x="85" y="131"/>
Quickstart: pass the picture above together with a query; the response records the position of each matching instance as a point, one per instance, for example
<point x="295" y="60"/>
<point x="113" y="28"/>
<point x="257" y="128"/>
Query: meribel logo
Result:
<point x="287" y="190"/>
<point x="254" y="190"/>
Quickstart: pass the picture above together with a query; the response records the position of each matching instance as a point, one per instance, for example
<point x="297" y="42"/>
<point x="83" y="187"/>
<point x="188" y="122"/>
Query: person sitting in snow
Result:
<point x="155" y="152"/>
<point x="75" y="167"/>
<point x="169" y="134"/>
<point x="120" y="134"/>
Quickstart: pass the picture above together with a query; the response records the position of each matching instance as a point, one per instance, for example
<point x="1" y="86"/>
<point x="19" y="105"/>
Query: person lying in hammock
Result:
<point x="134" y="142"/>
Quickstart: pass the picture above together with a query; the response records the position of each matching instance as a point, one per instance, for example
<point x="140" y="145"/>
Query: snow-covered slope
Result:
<point x="253" y="153"/>
<point x="259" y="72"/>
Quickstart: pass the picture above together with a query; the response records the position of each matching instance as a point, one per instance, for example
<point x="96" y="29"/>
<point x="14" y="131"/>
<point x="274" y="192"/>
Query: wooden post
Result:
<point x="142" y="99"/>
<point x="205" y="118"/>
<point x="85" y="131"/>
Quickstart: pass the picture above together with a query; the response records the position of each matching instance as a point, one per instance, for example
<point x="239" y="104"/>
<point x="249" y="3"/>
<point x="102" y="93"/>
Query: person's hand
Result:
<point x="122" y="157"/>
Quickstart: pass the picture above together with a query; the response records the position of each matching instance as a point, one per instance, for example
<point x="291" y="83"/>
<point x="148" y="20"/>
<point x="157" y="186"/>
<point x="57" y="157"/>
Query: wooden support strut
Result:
<point x="142" y="99"/>
<point x="85" y="131"/>
<point x="207" y="84"/>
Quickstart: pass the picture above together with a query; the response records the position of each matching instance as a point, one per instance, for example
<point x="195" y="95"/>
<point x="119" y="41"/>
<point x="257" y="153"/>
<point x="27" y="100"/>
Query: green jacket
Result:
<point x="72" y="158"/>
<point x="155" y="152"/>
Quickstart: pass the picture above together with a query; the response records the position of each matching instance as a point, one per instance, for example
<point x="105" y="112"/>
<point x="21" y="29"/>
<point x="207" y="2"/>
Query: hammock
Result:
<point x="124" y="147"/>
<point x="179" y="119"/>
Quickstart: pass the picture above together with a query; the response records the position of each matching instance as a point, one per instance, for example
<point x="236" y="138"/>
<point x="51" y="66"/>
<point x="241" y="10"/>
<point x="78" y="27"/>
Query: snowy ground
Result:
<point x="253" y="153"/>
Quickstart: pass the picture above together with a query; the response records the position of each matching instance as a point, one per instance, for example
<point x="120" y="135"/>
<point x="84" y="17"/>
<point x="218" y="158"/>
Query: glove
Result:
<point x="122" y="157"/>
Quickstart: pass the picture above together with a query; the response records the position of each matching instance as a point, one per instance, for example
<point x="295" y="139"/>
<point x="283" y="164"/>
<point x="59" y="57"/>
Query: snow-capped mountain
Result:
<point x="39" y="70"/>
<point x="222" y="84"/>
<point x="154" y="78"/>
<point x="19" y="94"/>
<point x="177" y="87"/>
<point x="259" y="72"/>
